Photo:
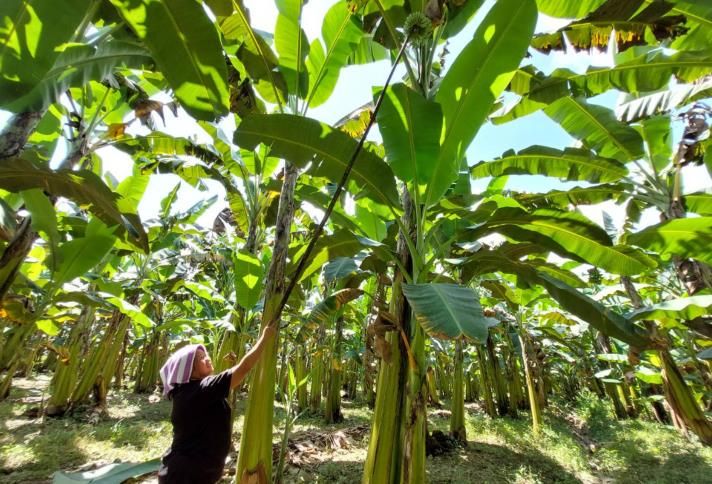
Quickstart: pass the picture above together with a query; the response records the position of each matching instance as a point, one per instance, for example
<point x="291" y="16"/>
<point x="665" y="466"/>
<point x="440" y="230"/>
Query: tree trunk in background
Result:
<point x="255" y="457"/>
<point x="457" y="415"/>
<point x="14" y="138"/>
<point x="682" y="401"/>
<point x="332" y="409"/>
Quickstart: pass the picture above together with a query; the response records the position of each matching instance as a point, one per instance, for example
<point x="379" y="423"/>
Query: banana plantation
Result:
<point x="514" y="224"/>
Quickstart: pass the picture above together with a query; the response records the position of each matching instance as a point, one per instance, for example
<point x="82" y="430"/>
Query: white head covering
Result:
<point x="178" y="367"/>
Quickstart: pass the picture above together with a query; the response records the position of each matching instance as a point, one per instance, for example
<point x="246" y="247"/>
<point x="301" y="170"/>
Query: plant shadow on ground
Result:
<point x="637" y="451"/>
<point x="33" y="448"/>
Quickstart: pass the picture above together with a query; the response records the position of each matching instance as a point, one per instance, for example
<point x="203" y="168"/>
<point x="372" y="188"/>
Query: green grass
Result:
<point x="578" y="443"/>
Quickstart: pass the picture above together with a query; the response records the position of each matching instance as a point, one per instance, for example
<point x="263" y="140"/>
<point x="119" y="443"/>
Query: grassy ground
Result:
<point x="582" y="443"/>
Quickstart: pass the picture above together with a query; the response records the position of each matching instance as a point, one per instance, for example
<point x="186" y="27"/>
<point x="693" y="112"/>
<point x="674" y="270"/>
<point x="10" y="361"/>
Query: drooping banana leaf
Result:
<point x="322" y="312"/>
<point x="185" y="44"/>
<point x="686" y="308"/>
<point x="302" y="140"/>
<point x="76" y="65"/>
<point x="683" y="237"/>
<point x="448" y="311"/>
<point x="598" y="128"/>
<point x="249" y="275"/>
<point x="82" y="187"/>
<point x="569" y="164"/>
<point x="568" y="234"/>
<point x="255" y="54"/>
<point x="31" y="32"/>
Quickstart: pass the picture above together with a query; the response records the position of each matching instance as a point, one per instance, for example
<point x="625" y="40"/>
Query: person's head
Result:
<point x="187" y="363"/>
<point x="202" y="365"/>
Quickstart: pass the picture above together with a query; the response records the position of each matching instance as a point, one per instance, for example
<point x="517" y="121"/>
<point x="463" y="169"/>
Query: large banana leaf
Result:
<point x="699" y="203"/>
<point x="321" y="313"/>
<point x="187" y="49"/>
<point x="570" y="164"/>
<point x="342" y="243"/>
<point x="255" y="54"/>
<point x="292" y="46"/>
<point x="598" y="128"/>
<point x="302" y="140"/>
<point x="82" y="187"/>
<point x="77" y="256"/>
<point x="569" y="235"/>
<point x="567" y="8"/>
<point x="249" y="275"/>
<point x="575" y="196"/>
<point x="341" y="35"/>
<point x="699" y="17"/>
<point x="472" y="84"/>
<point x="339" y="268"/>
<point x="76" y="65"/>
<point x="632" y="73"/>
<point x="686" y="308"/>
<point x="411" y="126"/>
<point x="657" y="134"/>
<point x="683" y="237"/>
<point x="31" y="32"/>
<point x="448" y="310"/>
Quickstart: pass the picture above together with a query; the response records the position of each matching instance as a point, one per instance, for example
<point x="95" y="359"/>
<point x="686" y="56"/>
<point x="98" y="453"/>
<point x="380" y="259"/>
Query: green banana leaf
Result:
<point x="575" y="196"/>
<point x="684" y="237"/>
<point x="341" y="36"/>
<point x="255" y="54"/>
<point x="567" y="8"/>
<point x="82" y="187"/>
<point x="633" y="73"/>
<point x="686" y="308"/>
<point x="474" y="81"/>
<point x="185" y="45"/>
<point x="598" y="128"/>
<point x="699" y="203"/>
<point x="569" y="164"/>
<point x="342" y="243"/>
<point x="411" y="126"/>
<point x="321" y="313"/>
<point x="249" y="275"/>
<point x="448" y="311"/>
<point x="301" y="140"/>
<point x="109" y="474"/>
<point x="31" y="33"/>
<point x="292" y="45"/>
<point x="569" y="234"/>
<point x="75" y="66"/>
<point x="339" y="268"/>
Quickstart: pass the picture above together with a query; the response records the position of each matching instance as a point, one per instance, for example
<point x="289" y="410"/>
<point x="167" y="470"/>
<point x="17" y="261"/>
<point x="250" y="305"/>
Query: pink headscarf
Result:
<point x="178" y="367"/>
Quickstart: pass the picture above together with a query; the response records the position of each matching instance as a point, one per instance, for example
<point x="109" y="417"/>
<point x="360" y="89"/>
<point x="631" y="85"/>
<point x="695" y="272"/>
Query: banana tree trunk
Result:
<point x="255" y="458"/>
<point x="527" y="357"/>
<point x="332" y="410"/>
<point x="682" y="401"/>
<point x="486" y="383"/>
<point x="14" y="138"/>
<point x="300" y="370"/>
<point x="398" y="424"/>
<point x="500" y="386"/>
<point x="67" y="370"/>
<point x="432" y="388"/>
<point x="15" y="254"/>
<point x="457" y="414"/>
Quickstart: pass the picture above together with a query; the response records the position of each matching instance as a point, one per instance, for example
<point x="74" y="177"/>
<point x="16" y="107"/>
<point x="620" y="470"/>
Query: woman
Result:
<point x="201" y="412"/>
